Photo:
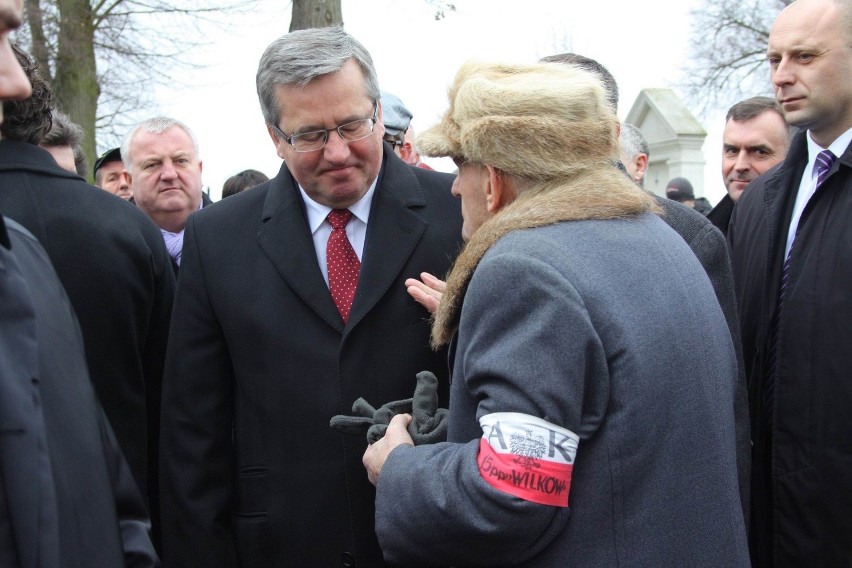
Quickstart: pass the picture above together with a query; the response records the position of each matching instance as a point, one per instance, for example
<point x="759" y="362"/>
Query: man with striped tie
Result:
<point x="791" y="246"/>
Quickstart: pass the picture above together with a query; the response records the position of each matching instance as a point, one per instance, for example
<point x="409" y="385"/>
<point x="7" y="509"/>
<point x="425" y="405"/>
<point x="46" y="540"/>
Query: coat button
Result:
<point x="348" y="559"/>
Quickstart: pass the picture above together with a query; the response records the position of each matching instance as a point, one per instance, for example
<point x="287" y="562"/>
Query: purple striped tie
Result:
<point x="824" y="161"/>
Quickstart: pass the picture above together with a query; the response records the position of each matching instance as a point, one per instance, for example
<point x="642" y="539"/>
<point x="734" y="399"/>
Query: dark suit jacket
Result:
<point x="259" y="360"/>
<point x="708" y="245"/>
<point x="720" y="216"/>
<point x="112" y="261"/>
<point x="71" y="498"/>
<point x="802" y="482"/>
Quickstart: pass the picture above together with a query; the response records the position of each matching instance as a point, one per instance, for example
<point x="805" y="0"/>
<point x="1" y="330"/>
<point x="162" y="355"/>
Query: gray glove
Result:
<point x="429" y="423"/>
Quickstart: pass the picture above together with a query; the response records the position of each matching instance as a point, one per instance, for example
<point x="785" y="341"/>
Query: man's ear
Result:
<point x="272" y="134"/>
<point x="641" y="161"/>
<point x="380" y="124"/>
<point x="405" y="152"/>
<point x="277" y="142"/>
<point x="499" y="190"/>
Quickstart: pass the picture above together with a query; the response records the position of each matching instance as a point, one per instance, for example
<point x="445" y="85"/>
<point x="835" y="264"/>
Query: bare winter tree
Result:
<point x="102" y="57"/>
<point x="728" y="53"/>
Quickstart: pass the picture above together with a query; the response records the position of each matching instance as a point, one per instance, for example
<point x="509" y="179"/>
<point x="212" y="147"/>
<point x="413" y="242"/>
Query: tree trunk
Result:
<point x="76" y="80"/>
<point x="39" y="49"/>
<point x="315" y="14"/>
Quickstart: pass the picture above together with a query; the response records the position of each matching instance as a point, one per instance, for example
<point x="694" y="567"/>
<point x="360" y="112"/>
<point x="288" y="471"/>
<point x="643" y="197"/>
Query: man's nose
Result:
<point x="14" y="84"/>
<point x="168" y="170"/>
<point x="743" y="163"/>
<point x="782" y="74"/>
<point x="336" y="148"/>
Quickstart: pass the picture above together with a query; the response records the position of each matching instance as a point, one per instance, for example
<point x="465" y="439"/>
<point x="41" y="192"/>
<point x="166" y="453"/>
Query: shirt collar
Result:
<point x="838" y="147"/>
<point x="317" y="212"/>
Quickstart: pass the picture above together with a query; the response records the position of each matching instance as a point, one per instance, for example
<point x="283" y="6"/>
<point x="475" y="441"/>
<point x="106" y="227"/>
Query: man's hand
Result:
<point x="377" y="454"/>
<point x="427" y="292"/>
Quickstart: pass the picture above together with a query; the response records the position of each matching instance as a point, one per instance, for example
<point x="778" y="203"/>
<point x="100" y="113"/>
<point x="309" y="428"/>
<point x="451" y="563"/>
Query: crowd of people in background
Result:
<point x="364" y="362"/>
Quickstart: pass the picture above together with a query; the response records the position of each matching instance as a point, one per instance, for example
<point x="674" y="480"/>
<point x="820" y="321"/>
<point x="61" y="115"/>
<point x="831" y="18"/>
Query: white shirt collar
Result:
<point x="317" y="212"/>
<point x="838" y="147"/>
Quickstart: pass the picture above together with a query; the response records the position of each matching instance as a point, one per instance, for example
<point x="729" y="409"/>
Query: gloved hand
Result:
<point x="429" y="424"/>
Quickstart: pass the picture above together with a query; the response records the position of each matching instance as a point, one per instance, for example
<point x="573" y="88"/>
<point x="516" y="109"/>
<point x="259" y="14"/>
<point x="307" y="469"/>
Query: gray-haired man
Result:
<point x="161" y="158"/>
<point x="287" y="313"/>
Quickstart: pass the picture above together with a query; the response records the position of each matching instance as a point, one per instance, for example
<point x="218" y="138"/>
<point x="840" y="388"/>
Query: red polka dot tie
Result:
<point x="343" y="263"/>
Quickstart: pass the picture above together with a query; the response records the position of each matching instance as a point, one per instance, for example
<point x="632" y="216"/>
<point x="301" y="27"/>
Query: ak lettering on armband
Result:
<point x="527" y="457"/>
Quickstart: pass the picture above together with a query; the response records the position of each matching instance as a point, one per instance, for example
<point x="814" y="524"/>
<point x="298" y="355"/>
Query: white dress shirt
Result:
<point x="807" y="186"/>
<point x="356" y="229"/>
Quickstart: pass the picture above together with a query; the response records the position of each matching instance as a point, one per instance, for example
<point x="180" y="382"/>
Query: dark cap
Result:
<point x="113" y="155"/>
<point x="679" y="189"/>
<point x="395" y="116"/>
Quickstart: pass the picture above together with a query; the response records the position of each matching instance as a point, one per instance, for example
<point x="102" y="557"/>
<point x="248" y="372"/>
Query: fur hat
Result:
<point x="538" y="121"/>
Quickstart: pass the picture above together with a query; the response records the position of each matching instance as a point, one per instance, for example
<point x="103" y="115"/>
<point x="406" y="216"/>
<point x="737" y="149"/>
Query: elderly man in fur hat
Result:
<point x="591" y="406"/>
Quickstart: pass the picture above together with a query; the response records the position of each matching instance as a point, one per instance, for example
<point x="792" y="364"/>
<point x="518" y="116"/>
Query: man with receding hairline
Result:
<point x="791" y="246"/>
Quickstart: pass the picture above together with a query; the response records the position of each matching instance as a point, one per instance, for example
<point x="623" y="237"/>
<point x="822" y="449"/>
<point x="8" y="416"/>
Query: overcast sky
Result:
<point x="644" y="44"/>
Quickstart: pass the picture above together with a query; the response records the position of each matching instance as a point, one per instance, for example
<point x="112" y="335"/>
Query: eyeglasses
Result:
<point x="317" y="139"/>
<point x="393" y="141"/>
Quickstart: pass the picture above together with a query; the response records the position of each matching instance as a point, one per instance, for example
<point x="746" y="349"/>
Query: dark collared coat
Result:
<point x="69" y="497"/>
<point x="259" y="361"/>
<point x="113" y="263"/>
<point x="802" y="489"/>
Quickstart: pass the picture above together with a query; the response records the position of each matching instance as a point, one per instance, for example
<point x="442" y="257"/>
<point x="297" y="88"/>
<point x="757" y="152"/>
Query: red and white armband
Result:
<point x="527" y="457"/>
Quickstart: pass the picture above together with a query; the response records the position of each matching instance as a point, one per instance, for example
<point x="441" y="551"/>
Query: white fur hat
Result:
<point x="538" y="121"/>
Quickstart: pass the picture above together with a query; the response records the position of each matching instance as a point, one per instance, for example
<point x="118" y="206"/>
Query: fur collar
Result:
<point x="600" y="194"/>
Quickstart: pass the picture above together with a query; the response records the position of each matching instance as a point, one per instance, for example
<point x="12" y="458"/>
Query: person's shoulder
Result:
<point x="437" y="188"/>
<point x="433" y="176"/>
<point x="16" y="231"/>
<point x="110" y="212"/>
<point x="243" y="204"/>
<point x="31" y="256"/>
<point x="243" y="213"/>
<point x="680" y="212"/>
<point x="754" y="194"/>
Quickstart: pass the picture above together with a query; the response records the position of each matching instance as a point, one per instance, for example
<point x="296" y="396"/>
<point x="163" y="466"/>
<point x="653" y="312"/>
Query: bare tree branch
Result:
<point x="95" y="51"/>
<point x="728" y="53"/>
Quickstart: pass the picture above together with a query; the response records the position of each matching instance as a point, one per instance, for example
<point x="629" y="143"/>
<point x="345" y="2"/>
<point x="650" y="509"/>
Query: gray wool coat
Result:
<point x="608" y="329"/>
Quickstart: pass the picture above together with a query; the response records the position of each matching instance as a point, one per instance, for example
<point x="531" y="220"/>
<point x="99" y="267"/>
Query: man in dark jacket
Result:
<point x="67" y="497"/>
<point x="755" y="139"/>
<point x="269" y="341"/>
<point x="791" y="244"/>
<point x="162" y="163"/>
<point x="112" y="262"/>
